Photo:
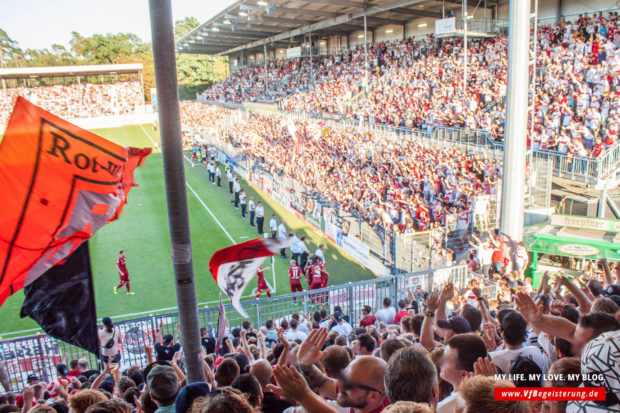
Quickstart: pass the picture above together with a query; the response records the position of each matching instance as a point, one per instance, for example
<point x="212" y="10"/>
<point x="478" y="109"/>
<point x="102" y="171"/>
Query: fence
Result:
<point x="40" y="354"/>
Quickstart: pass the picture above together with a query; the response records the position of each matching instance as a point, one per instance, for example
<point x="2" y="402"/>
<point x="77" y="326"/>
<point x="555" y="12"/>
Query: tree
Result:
<point x="9" y="49"/>
<point x="107" y="48"/>
<point x="184" y="26"/>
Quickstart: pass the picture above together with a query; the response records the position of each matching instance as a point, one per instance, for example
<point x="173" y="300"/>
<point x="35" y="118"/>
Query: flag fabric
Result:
<point x="62" y="301"/>
<point x="317" y="129"/>
<point x="221" y="326"/>
<point x="234" y="267"/>
<point x="58" y="184"/>
<point x="295" y="135"/>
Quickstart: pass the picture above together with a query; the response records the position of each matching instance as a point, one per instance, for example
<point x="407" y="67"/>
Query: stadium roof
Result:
<point x="248" y="24"/>
<point x="86" y="70"/>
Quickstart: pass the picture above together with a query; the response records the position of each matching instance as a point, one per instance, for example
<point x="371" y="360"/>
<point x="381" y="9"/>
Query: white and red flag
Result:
<point x="294" y="132"/>
<point x="234" y="267"/>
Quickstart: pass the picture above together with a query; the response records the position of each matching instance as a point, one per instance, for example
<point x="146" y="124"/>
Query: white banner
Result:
<point x="353" y="246"/>
<point x="293" y="52"/>
<point x="445" y="26"/>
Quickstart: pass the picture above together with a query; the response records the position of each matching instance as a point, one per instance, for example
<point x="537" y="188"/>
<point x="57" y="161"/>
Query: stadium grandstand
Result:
<point x="365" y="148"/>
<point x="75" y="92"/>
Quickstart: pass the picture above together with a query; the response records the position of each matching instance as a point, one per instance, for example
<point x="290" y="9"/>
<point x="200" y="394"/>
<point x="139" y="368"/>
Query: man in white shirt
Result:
<point x="319" y="252"/>
<point x="342" y="327"/>
<point x="282" y="235"/>
<point x="514" y="332"/>
<point x="387" y="313"/>
<point x="273" y="226"/>
<point x="293" y="333"/>
<point x="252" y="209"/>
<point x="260" y="217"/>
<point x="218" y="175"/>
<point x="231" y="180"/>
<point x="237" y="189"/>
<point x="242" y="202"/>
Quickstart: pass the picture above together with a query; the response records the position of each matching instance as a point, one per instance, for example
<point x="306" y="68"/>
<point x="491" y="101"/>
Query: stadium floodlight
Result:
<point x="215" y="29"/>
<point x="422" y="25"/>
<point x="359" y="36"/>
<point x="389" y="31"/>
<point x="262" y="3"/>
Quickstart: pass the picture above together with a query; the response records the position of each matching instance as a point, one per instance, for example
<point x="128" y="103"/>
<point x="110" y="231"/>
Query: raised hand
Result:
<point x="447" y="293"/>
<point x="291" y="384"/>
<point x="527" y="307"/>
<point x="310" y="350"/>
<point x="485" y="367"/>
<point x="432" y="302"/>
<point x="283" y="339"/>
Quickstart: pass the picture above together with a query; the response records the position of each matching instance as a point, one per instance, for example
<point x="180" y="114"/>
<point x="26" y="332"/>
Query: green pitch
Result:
<point x="142" y="231"/>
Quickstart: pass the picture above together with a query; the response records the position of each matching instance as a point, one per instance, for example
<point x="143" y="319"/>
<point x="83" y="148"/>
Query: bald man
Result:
<point x="262" y="370"/>
<point x="361" y="385"/>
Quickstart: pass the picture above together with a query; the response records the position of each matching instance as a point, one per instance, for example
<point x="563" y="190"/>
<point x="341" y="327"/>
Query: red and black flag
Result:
<point x="58" y="184"/>
<point x="62" y="301"/>
<point x="234" y="267"/>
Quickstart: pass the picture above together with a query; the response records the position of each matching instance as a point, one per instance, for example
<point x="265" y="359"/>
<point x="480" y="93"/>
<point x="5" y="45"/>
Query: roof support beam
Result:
<point x="343" y="3"/>
<point x="421" y="13"/>
<point x="324" y="24"/>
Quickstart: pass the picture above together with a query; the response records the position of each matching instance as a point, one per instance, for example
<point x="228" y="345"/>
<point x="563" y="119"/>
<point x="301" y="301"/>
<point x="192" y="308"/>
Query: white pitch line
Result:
<point x="155" y="144"/>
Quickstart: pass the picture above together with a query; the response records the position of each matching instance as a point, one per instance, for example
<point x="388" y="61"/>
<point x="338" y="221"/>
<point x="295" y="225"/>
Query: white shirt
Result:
<point x="236" y="187"/>
<point x="319" y="254"/>
<point x="242" y="198"/>
<point x="281" y="231"/>
<point x="503" y="358"/>
<point x="343" y="329"/>
<point x="448" y="404"/>
<point x="251" y="206"/>
<point x="386" y="315"/>
<point x="293" y="335"/>
<point x="273" y="225"/>
<point x="260" y="212"/>
<point x="218" y="172"/>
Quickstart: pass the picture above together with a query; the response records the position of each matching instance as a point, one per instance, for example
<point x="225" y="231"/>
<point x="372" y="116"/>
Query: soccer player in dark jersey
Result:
<point x="123" y="273"/>
<point x="262" y="284"/>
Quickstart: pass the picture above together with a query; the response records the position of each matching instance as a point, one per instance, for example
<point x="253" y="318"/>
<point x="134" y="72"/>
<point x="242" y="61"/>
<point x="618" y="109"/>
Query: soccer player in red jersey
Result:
<point x="294" y="278"/>
<point x="314" y="276"/>
<point x="122" y="272"/>
<point x="262" y="284"/>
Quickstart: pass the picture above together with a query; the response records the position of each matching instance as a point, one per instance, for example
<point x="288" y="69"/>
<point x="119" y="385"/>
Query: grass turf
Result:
<point x="142" y="231"/>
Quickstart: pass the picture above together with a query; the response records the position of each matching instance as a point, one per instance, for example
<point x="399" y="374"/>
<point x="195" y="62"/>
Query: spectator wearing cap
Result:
<point x="454" y="325"/>
<point x="163" y="386"/>
<point x="342" y="327"/>
<point x="514" y="333"/>
<point x="188" y="394"/>
<point x="54" y="387"/>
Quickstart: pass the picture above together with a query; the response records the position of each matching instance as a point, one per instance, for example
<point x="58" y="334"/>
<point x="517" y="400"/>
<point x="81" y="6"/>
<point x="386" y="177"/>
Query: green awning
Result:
<point x="573" y="242"/>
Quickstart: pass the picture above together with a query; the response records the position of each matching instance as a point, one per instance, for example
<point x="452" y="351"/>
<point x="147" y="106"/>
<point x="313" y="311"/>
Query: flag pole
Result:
<point x="174" y="176"/>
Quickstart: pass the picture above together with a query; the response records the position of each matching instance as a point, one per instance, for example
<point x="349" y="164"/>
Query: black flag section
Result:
<point x="62" y="301"/>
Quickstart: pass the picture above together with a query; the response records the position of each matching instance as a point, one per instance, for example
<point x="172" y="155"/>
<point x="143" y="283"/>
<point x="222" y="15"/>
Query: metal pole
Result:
<point x="265" y="59"/>
<point x="311" y="74"/>
<point x="174" y="176"/>
<point x="511" y="218"/>
<point x="464" y="47"/>
<point x="365" y="54"/>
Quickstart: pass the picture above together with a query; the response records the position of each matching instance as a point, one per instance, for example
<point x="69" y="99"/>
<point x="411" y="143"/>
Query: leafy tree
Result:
<point x="184" y="26"/>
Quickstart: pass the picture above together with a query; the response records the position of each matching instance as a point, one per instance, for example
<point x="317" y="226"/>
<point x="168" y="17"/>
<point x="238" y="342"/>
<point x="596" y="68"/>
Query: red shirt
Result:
<point x="400" y="315"/>
<point x="121" y="265"/>
<point x="260" y="275"/>
<point x="294" y="274"/>
<point x="369" y="320"/>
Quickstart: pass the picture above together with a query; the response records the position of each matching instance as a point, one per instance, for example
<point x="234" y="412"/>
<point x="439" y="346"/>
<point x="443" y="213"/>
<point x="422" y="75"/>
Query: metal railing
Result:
<point x="39" y="354"/>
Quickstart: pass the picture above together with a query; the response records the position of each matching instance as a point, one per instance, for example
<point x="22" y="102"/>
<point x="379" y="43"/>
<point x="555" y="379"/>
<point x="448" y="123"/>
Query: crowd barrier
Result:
<point x="39" y="354"/>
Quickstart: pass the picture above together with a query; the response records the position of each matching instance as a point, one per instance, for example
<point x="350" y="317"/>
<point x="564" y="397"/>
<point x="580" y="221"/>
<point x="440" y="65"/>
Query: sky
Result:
<point x="37" y="24"/>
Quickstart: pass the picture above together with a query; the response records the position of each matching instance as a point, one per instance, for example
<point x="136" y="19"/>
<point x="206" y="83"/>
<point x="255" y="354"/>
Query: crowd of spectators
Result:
<point x="445" y="350"/>
<point x="419" y="84"/>
<point x="75" y="100"/>
<point x="404" y="187"/>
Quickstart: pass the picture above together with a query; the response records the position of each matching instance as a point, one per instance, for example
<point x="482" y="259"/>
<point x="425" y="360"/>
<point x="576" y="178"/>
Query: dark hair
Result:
<point x="107" y="322"/>
<point x="599" y="322"/>
<point x="473" y="316"/>
<point x="402" y="304"/>
<point x="316" y="317"/>
<point x="60" y="407"/>
<point x="366" y="309"/>
<point x="295" y="316"/>
<point x="387" y="302"/>
<point x="269" y="323"/>
<point x="249" y="386"/>
<point x="514" y="328"/>
<point x="367" y="342"/>
<point x="130" y="393"/>
<point x="469" y="347"/>
<point x="246" y="324"/>
<point x="529" y="369"/>
<point x="336" y="359"/>
<point x="125" y="384"/>
<point x="390" y="346"/>
<point x="323" y="313"/>
<point x="410" y="375"/>
<point x="227" y="372"/>
<point x="284" y="324"/>
<point x="73" y="364"/>
<point x="405" y="322"/>
<point x="416" y="324"/>
<point x="570" y="313"/>
<point x="566" y="367"/>
<point x="293" y="323"/>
